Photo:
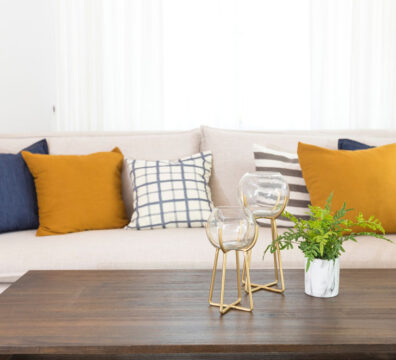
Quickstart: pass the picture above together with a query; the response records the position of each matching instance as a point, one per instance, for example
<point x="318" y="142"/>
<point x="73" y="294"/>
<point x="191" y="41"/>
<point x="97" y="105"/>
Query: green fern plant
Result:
<point x="322" y="236"/>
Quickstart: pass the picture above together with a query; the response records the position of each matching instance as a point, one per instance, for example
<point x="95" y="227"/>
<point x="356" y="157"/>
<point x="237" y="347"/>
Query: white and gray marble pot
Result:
<point x="322" y="278"/>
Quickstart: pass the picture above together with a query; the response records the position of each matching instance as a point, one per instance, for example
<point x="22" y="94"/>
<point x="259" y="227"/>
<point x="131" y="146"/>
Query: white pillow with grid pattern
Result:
<point x="169" y="194"/>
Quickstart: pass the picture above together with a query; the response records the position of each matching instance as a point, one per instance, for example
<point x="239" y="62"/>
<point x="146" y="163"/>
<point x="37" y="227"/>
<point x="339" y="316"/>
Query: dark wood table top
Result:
<point x="164" y="312"/>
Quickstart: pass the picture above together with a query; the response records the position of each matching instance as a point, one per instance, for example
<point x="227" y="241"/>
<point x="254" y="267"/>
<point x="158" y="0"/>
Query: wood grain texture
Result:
<point x="214" y="356"/>
<point x="166" y="312"/>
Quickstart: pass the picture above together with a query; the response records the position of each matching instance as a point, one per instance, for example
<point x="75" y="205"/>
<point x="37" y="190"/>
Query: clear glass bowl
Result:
<point x="264" y="193"/>
<point x="233" y="225"/>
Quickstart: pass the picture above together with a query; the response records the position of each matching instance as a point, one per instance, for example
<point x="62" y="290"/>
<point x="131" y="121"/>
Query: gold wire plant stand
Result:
<point x="278" y="267"/>
<point x="242" y="244"/>
<point x="265" y="193"/>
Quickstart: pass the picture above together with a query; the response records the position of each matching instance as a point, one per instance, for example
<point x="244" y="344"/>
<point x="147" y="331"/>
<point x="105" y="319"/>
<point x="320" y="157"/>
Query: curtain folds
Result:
<point x="109" y="64"/>
<point x="248" y="64"/>
<point x="353" y="57"/>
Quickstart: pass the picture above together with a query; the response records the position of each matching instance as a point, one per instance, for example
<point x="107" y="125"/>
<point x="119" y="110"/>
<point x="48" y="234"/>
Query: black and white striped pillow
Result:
<point x="287" y="164"/>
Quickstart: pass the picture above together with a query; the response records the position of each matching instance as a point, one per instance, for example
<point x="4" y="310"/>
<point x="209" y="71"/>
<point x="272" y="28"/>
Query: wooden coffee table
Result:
<point x="165" y="315"/>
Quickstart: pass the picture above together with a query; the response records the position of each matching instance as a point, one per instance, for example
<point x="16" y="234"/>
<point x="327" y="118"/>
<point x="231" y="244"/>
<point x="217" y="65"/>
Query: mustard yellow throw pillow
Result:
<point x="78" y="192"/>
<point x="364" y="179"/>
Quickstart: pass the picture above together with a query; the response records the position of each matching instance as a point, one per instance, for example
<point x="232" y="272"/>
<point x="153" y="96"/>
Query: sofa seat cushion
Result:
<point x="157" y="249"/>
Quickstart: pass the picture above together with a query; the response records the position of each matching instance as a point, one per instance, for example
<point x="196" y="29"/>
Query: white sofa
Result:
<point x="171" y="248"/>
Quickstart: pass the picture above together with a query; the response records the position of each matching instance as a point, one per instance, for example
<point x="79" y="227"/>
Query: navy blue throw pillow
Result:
<point x="348" y="144"/>
<point x="18" y="202"/>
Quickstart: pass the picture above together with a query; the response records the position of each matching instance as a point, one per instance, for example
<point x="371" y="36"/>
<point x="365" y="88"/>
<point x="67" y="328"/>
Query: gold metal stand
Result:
<point x="224" y="308"/>
<point x="278" y="268"/>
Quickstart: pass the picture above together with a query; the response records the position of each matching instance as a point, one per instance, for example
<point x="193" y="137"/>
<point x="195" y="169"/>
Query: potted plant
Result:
<point x="321" y="239"/>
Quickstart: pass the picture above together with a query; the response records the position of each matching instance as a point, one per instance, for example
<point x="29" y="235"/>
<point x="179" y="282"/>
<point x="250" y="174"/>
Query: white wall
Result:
<point x="27" y="65"/>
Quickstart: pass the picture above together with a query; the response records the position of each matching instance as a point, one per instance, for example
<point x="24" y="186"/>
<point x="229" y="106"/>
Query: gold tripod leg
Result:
<point x="275" y="232"/>
<point x="249" y="286"/>
<point x="246" y="261"/>
<point x="223" y="283"/>
<point x="244" y="272"/>
<point x="213" y="277"/>
<point x="278" y="268"/>
<point x="238" y="271"/>
<point x="224" y="308"/>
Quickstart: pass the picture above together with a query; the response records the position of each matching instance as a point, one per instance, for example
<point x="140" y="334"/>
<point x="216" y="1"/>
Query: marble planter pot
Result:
<point x="322" y="278"/>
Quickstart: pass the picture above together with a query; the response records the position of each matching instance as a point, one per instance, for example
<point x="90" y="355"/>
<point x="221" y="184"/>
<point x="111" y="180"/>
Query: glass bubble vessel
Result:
<point x="264" y="193"/>
<point x="231" y="228"/>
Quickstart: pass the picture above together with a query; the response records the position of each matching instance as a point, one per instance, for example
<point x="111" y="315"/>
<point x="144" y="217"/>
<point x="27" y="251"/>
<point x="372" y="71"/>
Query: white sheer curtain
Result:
<point x="109" y="64"/>
<point x="249" y="64"/>
<point x="236" y="63"/>
<point x="353" y="63"/>
<point x="177" y="64"/>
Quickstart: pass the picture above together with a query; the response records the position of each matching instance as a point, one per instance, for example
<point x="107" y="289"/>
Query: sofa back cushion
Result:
<point x="134" y="145"/>
<point x="233" y="151"/>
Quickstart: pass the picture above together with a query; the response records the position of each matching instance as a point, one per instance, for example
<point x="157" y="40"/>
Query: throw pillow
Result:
<point x="169" y="194"/>
<point x="365" y="180"/>
<point x="78" y="192"/>
<point x="348" y="144"/>
<point x="267" y="159"/>
<point x="18" y="204"/>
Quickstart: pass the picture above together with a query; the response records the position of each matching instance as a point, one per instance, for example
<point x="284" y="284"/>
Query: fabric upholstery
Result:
<point x="233" y="151"/>
<point x="78" y="192"/>
<point x="287" y="164"/>
<point x="159" y="249"/>
<point x="365" y="180"/>
<point x="173" y="248"/>
<point x="348" y="144"/>
<point x="4" y="286"/>
<point x="145" y="145"/>
<point x="171" y="193"/>
<point x="18" y="203"/>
